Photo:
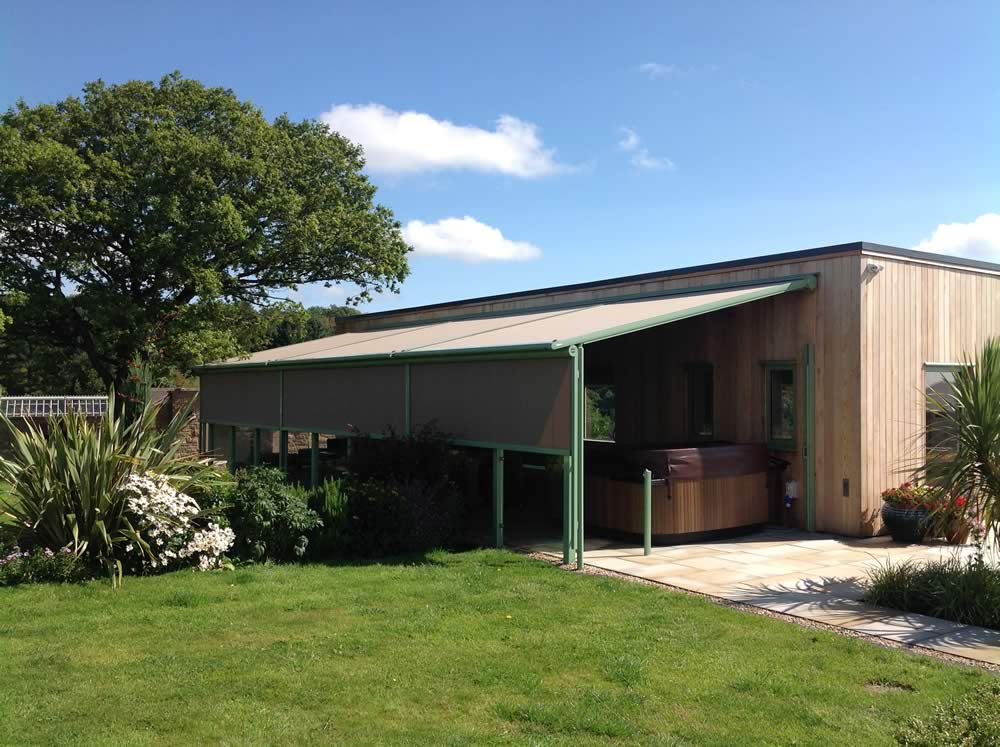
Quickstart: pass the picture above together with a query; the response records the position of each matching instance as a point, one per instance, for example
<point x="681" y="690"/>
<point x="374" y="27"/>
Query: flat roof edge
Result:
<point x="858" y="247"/>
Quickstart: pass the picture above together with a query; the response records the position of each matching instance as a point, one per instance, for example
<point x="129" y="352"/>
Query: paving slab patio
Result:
<point x="818" y="577"/>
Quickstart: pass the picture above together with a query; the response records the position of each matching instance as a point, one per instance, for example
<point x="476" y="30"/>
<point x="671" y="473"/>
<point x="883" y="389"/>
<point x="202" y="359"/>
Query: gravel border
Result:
<point x="763" y="612"/>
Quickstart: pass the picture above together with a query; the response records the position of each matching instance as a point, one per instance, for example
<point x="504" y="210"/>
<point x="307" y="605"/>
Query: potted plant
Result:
<point x="953" y="520"/>
<point x="906" y="511"/>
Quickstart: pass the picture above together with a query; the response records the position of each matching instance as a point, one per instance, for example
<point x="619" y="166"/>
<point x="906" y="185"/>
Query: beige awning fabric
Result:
<point x="550" y="329"/>
<point x="501" y="380"/>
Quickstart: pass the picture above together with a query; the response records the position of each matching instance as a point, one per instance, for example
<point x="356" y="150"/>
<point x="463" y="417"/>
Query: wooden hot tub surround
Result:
<point x="701" y="491"/>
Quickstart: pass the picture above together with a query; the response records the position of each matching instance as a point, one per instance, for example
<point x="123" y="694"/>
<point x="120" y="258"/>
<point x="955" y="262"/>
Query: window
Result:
<point x="701" y="401"/>
<point x="938" y="379"/>
<point x="600" y="425"/>
<point x="779" y="405"/>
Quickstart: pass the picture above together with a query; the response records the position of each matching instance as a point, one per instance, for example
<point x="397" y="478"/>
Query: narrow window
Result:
<point x="600" y="425"/>
<point x="938" y="380"/>
<point x="779" y="404"/>
<point x="701" y="401"/>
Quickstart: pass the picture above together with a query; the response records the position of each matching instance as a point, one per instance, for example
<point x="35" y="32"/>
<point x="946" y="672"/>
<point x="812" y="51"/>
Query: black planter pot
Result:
<point x="906" y="525"/>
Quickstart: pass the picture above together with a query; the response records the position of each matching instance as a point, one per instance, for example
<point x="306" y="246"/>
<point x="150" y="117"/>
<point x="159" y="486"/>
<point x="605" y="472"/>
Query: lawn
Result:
<point x="478" y="647"/>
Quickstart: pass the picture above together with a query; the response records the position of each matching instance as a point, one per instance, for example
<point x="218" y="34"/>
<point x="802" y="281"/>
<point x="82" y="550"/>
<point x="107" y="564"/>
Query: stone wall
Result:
<point x="172" y="401"/>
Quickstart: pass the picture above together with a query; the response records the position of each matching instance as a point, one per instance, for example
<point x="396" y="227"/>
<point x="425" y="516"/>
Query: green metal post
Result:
<point x="498" y="496"/>
<point x="407" y="424"/>
<point x="579" y="403"/>
<point x="567" y="509"/>
<point x="809" y="447"/>
<point x="283" y="451"/>
<point x="201" y="438"/>
<point x="350" y="448"/>
<point x="232" y="448"/>
<point x="256" y="446"/>
<point x="313" y="460"/>
<point x="211" y="437"/>
<point x="647" y="512"/>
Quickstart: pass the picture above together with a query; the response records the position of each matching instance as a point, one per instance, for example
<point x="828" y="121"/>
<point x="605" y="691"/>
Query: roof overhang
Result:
<point x="543" y="332"/>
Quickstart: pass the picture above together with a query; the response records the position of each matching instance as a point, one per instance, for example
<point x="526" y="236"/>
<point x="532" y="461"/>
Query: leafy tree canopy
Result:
<point x="143" y="221"/>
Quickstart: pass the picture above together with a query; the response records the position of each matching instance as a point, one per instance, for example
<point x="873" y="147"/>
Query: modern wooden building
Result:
<point x="816" y="360"/>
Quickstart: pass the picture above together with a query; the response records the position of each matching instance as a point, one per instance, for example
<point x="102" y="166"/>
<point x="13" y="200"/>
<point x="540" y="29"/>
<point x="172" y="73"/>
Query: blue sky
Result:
<point x="637" y="137"/>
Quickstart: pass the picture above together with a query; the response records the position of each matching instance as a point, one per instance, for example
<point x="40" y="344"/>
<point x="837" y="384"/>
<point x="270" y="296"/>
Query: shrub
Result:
<point x="424" y="455"/>
<point x="965" y="591"/>
<point x="272" y="519"/>
<point x="393" y="517"/>
<point x="170" y="528"/>
<point x="970" y="721"/>
<point x="329" y="500"/>
<point x="67" y="483"/>
<point x="400" y="496"/>
<point x="19" y="566"/>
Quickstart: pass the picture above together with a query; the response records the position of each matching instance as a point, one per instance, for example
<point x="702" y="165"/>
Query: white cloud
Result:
<point x="630" y="139"/>
<point x="977" y="240"/>
<point x="641" y="159"/>
<point x="659" y="70"/>
<point x="333" y="292"/>
<point x="409" y="142"/>
<point x="466" y="239"/>
<point x="630" y="142"/>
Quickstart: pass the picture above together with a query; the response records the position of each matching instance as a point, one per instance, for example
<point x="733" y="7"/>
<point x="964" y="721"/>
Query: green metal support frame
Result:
<point x="579" y="412"/>
<point x="201" y="438"/>
<point x="647" y="512"/>
<point x="313" y="460"/>
<point x="498" y="462"/>
<point x="809" y="445"/>
<point x="567" y="538"/>
<point x="211" y="438"/>
<point x="283" y="451"/>
<point x="256" y="446"/>
<point x="232" y="450"/>
<point x="407" y="406"/>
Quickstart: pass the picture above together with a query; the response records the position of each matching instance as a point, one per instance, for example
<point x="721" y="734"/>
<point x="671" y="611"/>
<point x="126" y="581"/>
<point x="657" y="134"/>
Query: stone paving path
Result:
<point x="813" y="576"/>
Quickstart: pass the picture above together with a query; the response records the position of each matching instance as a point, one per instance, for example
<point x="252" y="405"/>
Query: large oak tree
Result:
<point x="134" y="218"/>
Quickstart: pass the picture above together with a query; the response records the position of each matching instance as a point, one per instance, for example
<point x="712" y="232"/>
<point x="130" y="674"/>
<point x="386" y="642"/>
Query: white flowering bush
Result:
<point x="170" y="529"/>
<point x="64" y="486"/>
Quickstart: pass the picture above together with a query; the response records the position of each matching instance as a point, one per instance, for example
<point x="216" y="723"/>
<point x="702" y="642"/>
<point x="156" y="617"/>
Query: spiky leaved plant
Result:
<point x="65" y="482"/>
<point x="967" y="411"/>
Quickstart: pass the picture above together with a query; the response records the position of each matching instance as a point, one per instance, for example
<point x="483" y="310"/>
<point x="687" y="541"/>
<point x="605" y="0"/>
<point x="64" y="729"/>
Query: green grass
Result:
<point x="479" y="647"/>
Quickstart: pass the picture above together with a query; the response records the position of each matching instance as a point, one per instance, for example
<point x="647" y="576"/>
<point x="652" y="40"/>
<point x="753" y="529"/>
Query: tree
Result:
<point x="966" y="463"/>
<point x="135" y="219"/>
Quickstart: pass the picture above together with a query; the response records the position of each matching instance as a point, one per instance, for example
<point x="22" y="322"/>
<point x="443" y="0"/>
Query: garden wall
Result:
<point x="171" y="401"/>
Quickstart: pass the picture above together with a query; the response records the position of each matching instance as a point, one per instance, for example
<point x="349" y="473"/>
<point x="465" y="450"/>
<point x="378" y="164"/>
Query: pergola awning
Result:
<point x="510" y="381"/>
<point x="549" y="329"/>
<point x="501" y="380"/>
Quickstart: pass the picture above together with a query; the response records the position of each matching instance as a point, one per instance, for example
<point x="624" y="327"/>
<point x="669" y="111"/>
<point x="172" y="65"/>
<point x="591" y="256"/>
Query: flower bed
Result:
<point x="18" y="566"/>
<point x="962" y="590"/>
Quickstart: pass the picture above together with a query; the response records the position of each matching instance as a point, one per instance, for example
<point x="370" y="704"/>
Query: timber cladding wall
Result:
<point x="914" y="313"/>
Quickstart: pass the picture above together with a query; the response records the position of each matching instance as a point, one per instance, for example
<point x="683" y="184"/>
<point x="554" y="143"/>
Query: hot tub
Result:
<point x="709" y="490"/>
